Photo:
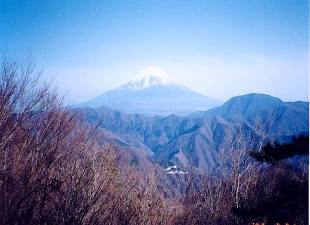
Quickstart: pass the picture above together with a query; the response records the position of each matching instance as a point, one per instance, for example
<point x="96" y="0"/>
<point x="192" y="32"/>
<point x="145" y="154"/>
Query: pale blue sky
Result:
<point x="218" y="48"/>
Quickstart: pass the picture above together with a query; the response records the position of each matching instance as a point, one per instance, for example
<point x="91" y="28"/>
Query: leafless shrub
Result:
<point x="52" y="169"/>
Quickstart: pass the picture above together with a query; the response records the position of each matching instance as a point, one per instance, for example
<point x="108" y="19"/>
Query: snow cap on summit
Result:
<point x="149" y="77"/>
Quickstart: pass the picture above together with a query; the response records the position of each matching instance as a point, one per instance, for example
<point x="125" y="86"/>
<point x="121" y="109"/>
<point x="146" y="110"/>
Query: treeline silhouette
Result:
<point x="273" y="152"/>
<point x="53" y="170"/>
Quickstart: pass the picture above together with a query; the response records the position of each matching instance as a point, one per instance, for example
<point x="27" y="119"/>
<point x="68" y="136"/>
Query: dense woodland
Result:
<point x="53" y="170"/>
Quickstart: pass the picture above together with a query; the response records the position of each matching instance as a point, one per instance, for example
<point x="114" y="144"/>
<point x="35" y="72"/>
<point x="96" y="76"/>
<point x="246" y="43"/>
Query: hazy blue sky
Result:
<point x="218" y="48"/>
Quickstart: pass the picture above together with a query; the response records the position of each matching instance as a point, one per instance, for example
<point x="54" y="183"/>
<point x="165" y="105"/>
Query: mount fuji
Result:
<point x="152" y="95"/>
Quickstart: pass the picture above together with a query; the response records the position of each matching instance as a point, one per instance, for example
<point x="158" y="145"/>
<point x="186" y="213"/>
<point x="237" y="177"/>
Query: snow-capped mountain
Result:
<point x="152" y="95"/>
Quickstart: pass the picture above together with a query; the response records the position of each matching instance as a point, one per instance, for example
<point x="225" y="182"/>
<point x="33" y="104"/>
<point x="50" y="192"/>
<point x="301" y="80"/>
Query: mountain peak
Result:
<point x="149" y="77"/>
<point x="246" y="105"/>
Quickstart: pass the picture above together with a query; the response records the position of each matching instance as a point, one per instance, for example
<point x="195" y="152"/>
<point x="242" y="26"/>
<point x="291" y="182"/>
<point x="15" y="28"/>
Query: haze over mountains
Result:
<point x="152" y="95"/>
<point x="160" y="121"/>
<point x="195" y="140"/>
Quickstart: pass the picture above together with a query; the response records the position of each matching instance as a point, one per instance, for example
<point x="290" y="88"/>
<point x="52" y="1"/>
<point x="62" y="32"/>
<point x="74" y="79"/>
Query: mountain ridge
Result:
<point x="187" y="141"/>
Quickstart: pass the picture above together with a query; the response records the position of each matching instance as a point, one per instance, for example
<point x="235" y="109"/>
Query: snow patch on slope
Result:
<point x="174" y="170"/>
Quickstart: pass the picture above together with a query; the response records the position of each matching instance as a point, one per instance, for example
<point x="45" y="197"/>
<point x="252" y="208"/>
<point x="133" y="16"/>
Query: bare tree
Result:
<point x="236" y="164"/>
